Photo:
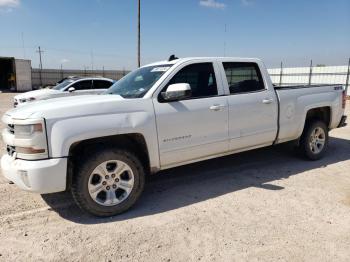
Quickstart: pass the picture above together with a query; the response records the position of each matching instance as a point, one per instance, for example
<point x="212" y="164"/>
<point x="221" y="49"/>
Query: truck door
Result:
<point x="196" y="127"/>
<point x="252" y="106"/>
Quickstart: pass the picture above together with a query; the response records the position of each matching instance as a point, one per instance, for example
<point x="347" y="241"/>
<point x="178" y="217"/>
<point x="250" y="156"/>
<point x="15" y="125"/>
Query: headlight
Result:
<point x="30" y="140"/>
<point x="22" y="131"/>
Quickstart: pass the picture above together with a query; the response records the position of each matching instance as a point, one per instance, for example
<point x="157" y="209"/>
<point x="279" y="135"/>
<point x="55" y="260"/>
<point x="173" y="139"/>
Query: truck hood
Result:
<point x="67" y="107"/>
<point x="37" y="94"/>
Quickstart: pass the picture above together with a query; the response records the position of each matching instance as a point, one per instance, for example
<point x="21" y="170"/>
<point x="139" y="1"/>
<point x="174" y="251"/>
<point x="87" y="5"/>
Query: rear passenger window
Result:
<point x="243" y="77"/>
<point x="83" y="85"/>
<point x="101" y="84"/>
<point x="200" y="77"/>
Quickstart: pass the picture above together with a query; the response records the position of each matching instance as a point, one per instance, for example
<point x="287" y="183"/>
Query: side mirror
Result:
<point x="177" y="92"/>
<point x="71" y="89"/>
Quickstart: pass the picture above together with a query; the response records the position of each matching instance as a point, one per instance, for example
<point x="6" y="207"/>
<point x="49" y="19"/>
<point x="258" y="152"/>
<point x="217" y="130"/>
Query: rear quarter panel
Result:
<point x="295" y="103"/>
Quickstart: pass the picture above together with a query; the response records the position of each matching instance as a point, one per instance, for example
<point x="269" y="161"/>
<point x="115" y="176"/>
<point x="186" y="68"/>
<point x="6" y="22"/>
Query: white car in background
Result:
<point x="69" y="87"/>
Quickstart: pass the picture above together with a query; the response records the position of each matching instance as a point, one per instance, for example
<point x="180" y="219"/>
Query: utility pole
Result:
<point x="310" y="74"/>
<point x="40" y="65"/>
<point x="92" y="61"/>
<point x="347" y="79"/>
<point x="281" y="73"/>
<point x="138" y="34"/>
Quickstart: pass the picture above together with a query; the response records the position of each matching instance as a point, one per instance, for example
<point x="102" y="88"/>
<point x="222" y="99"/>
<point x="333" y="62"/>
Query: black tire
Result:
<point x="85" y="167"/>
<point x="306" y="138"/>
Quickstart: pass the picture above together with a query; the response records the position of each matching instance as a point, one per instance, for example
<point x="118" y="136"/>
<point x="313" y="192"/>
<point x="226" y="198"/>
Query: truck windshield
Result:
<point x="137" y="83"/>
<point x="62" y="85"/>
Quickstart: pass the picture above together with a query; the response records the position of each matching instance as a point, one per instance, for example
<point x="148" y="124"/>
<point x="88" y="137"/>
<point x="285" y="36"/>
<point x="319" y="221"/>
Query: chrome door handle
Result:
<point x="216" y="107"/>
<point x="267" y="101"/>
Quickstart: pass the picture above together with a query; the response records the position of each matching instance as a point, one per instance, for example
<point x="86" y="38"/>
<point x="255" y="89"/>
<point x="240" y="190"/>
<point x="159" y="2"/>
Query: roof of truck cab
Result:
<point x="186" y="59"/>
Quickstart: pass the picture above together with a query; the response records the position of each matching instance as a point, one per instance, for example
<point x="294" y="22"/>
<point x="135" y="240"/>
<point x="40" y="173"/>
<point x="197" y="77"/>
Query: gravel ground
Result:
<point x="264" y="205"/>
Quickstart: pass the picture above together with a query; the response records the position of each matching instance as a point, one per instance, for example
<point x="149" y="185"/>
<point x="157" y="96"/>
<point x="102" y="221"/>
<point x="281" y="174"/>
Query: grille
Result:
<point x="11" y="128"/>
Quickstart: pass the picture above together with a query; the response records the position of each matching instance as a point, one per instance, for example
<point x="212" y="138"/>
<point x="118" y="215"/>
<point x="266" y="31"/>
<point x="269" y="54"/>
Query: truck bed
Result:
<point x="296" y="101"/>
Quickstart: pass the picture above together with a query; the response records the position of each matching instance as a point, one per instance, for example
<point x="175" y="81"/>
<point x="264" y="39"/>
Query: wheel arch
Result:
<point x="322" y="113"/>
<point x="134" y="142"/>
<point x="319" y="113"/>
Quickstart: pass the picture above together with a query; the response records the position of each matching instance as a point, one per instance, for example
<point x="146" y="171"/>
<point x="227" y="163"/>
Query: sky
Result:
<point x="103" y="33"/>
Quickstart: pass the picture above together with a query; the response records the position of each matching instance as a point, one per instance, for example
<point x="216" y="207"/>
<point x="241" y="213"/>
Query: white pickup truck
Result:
<point x="160" y="116"/>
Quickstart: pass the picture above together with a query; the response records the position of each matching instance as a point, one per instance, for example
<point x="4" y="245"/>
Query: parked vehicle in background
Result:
<point x="72" y="86"/>
<point x="50" y="86"/>
<point x="65" y="78"/>
<point x="160" y="116"/>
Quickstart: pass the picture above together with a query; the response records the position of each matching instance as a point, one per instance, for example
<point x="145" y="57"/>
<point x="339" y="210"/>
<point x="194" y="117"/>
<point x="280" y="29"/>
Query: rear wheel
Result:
<point x="108" y="182"/>
<point x="314" y="140"/>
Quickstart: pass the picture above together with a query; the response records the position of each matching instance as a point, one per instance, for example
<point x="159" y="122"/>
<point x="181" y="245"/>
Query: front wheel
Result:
<point x="314" y="140"/>
<point x="108" y="182"/>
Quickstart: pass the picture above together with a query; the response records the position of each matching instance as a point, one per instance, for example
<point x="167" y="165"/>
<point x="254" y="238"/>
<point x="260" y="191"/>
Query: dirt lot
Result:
<point x="263" y="205"/>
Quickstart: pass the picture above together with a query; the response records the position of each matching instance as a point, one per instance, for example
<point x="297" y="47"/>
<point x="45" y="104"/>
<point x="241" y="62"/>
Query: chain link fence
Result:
<point x="311" y="75"/>
<point x="283" y="76"/>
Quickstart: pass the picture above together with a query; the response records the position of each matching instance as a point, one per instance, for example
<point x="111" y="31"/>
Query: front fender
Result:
<point x="63" y="133"/>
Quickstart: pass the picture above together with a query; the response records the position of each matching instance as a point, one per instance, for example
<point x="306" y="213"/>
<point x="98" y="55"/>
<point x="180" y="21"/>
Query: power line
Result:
<point x="87" y="53"/>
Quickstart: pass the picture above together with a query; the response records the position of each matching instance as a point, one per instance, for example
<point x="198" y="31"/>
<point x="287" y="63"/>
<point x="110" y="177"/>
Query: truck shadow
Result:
<point x="190" y="184"/>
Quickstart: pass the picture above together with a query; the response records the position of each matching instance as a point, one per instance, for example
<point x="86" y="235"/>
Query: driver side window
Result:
<point x="201" y="78"/>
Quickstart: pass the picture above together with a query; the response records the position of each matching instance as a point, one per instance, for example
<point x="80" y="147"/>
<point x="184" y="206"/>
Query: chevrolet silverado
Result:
<point x="160" y="116"/>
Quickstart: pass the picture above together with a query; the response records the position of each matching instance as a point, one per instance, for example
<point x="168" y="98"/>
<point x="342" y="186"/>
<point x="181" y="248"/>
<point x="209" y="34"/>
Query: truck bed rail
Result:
<point x="278" y="87"/>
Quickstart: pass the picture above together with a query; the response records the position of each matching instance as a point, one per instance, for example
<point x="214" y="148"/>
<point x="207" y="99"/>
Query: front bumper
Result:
<point x="342" y="121"/>
<point x="39" y="176"/>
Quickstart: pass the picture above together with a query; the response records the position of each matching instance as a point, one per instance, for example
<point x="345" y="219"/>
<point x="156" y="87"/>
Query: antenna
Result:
<point x="92" y="60"/>
<point x="225" y="41"/>
<point x="24" y="50"/>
